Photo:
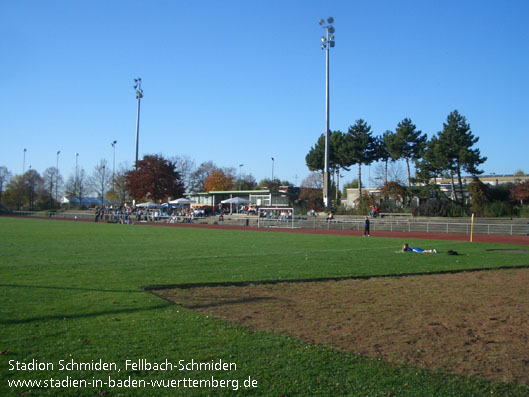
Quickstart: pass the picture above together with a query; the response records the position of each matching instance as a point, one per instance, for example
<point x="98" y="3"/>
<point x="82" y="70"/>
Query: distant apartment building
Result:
<point x="444" y="184"/>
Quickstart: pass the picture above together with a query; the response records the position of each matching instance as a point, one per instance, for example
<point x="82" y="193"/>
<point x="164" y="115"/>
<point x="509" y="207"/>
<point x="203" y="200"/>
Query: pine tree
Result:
<point x="408" y="144"/>
<point x="360" y="147"/>
<point x="315" y="158"/>
<point x="457" y="141"/>
<point x="385" y="150"/>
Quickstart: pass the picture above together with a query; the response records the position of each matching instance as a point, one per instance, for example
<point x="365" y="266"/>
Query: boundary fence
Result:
<point x="422" y="226"/>
<point x="511" y="227"/>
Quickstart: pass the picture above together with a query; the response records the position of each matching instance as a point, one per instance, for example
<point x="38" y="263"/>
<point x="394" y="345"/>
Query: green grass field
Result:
<point x="70" y="291"/>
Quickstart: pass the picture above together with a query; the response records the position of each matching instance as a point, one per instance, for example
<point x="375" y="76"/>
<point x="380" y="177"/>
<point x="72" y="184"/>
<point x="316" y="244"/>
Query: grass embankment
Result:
<point x="69" y="291"/>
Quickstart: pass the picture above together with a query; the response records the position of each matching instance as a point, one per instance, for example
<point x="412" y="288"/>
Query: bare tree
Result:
<point x="313" y="181"/>
<point x="33" y="185"/>
<point x="389" y="172"/>
<point x="185" y="167"/>
<point x="197" y="177"/>
<point x="100" y="179"/>
<point x="52" y="181"/>
<point x="5" y="177"/>
<point x="76" y="186"/>
<point x="120" y="194"/>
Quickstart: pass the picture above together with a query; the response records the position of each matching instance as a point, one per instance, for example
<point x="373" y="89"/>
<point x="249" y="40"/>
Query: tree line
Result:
<point x="448" y="153"/>
<point x="154" y="178"/>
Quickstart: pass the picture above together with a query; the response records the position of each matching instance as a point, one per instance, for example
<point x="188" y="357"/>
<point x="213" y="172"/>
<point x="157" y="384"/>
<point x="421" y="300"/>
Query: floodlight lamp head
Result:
<point x="322" y="22"/>
<point x="331" y="29"/>
<point x="322" y="39"/>
<point x="330" y="20"/>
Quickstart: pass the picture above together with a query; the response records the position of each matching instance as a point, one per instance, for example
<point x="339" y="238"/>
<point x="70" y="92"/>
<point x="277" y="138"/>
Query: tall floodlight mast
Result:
<point x="139" y="95"/>
<point x="327" y="42"/>
<point x="113" y="144"/>
<point x="24" y="162"/>
<point x="240" y="174"/>
<point x="57" y="177"/>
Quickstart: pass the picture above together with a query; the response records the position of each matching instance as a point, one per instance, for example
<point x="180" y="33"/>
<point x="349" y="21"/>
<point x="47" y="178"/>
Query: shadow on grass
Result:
<point x="86" y="315"/>
<point x="338" y="278"/>
<point x="69" y="288"/>
<point x="232" y="302"/>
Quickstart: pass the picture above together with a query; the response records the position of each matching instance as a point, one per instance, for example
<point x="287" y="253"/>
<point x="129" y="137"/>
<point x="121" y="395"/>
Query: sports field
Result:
<point x="73" y="315"/>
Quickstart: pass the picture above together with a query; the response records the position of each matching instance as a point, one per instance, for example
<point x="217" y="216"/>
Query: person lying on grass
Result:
<point x="407" y="248"/>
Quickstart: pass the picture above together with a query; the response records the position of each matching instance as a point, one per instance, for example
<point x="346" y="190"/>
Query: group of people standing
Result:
<point x="114" y="214"/>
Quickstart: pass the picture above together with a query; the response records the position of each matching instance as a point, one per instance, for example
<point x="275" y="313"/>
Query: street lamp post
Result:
<point x="139" y="95"/>
<point x="103" y="186"/>
<point x="77" y="189"/>
<point x="113" y="164"/>
<point x="24" y="162"/>
<point x="327" y="42"/>
<point x="240" y="174"/>
<point x="57" y="178"/>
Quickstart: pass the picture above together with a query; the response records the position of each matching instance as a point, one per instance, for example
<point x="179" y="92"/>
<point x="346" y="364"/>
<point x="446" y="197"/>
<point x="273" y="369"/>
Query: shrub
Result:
<point x="438" y="207"/>
<point x="364" y="203"/>
<point x="524" y="211"/>
<point x="498" y="209"/>
<point x="480" y="196"/>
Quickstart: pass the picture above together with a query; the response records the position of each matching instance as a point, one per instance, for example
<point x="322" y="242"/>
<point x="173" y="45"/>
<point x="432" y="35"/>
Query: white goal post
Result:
<point x="275" y="217"/>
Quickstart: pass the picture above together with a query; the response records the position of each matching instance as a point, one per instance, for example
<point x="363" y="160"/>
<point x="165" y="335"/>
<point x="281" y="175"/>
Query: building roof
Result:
<point x="84" y="200"/>
<point x="494" y="178"/>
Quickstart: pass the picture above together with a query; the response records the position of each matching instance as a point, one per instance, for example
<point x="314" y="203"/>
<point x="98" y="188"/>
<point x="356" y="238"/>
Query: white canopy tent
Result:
<point x="148" y="205"/>
<point x="181" y="201"/>
<point x="235" y="200"/>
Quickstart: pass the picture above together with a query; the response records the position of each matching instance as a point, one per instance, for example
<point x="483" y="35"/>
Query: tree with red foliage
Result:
<point x="311" y="192"/>
<point x="394" y="191"/>
<point x="218" y="180"/>
<point x="480" y="195"/>
<point x="520" y="192"/>
<point x="154" y="178"/>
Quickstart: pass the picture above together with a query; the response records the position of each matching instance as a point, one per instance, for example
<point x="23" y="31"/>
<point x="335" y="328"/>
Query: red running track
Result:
<point x="485" y="238"/>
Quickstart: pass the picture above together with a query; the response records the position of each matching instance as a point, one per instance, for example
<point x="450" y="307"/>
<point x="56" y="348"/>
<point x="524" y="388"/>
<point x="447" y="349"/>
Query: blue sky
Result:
<point x="239" y="82"/>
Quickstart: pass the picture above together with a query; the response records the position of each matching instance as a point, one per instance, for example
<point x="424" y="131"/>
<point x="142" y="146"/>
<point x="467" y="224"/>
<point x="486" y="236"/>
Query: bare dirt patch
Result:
<point x="467" y="323"/>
